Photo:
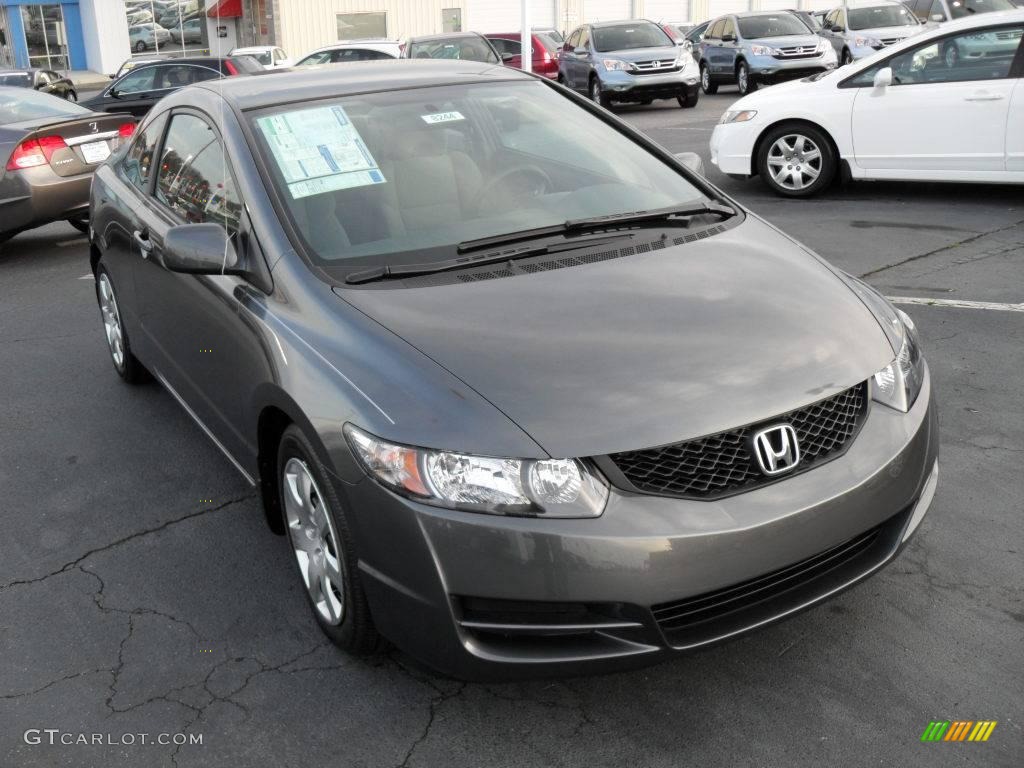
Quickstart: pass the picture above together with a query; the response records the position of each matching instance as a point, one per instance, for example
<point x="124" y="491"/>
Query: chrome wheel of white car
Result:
<point x="794" y="161"/>
<point x="314" y="541"/>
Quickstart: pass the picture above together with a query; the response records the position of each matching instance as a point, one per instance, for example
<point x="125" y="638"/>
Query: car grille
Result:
<point x="655" y="67"/>
<point x="701" y="618"/>
<point x="798" y="52"/>
<point x="1011" y="35"/>
<point x="723" y="464"/>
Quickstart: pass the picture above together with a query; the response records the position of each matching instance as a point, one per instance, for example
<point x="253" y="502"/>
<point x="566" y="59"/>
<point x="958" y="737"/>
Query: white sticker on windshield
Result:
<point x="442" y="117"/>
<point x="319" y="150"/>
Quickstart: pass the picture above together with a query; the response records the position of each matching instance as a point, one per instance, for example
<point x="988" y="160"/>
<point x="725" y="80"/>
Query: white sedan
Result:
<point x="909" y="112"/>
<point x="270" y="56"/>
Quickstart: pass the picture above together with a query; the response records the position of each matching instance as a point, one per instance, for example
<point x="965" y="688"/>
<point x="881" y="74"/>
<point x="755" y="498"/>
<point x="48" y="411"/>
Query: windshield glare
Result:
<point x="961" y="8"/>
<point x="771" y="25"/>
<point x="623" y="37"/>
<point x="16" y="79"/>
<point x="880" y="16"/>
<point x="17" y="104"/>
<point x="468" y="49"/>
<point x="404" y="176"/>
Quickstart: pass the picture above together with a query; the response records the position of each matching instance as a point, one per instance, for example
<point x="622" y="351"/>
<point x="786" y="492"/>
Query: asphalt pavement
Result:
<point x="141" y="592"/>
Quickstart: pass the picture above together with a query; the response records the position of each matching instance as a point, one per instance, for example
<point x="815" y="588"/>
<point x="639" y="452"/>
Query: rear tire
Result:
<point x="706" y="84"/>
<point x="796" y="160"/>
<point x="744" y="82"/>
<point x="125" y="363"/>
<point x="71" y="96"/>
<point x="81" y="224"/>
<point x="318" y="535"/>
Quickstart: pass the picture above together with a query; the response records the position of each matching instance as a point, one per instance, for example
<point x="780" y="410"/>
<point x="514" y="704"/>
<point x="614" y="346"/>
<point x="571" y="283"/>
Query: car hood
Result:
<point x="901" y="32"/>
<point x="663" y="53"/>
<point x="648" y="349"/>
<point x="787" y="41"/>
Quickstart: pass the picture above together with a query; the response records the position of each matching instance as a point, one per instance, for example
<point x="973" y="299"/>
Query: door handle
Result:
<point x="144" y="243"/>
<point x="984" y="97"/>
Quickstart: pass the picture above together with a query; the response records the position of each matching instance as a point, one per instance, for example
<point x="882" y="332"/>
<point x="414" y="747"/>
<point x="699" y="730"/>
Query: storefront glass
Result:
<point x="45" y="36"/>
<point x="168" y="27"/>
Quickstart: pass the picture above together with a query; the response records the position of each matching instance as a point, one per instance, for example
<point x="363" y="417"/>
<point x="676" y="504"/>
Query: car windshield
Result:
<point x="880" y="16"/>
<point x="405" y="176"/>
<point x="464" y="49"/>
<point x="771" y="25"/>
<point x="623" y="37"/>
<point x="961" y="8"/>
<point x="263" y="57"/>
<point x="16" y="79"/>
<point x="17" y="105"/>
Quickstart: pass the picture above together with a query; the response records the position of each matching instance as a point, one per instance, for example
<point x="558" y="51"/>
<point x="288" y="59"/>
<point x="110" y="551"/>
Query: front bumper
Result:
<point x="35" y="196"/>
<point x="770" y="70"/>
<point x="624" y="86"/>
<point x="732" y="146"/>
<point x="490" y="597"/>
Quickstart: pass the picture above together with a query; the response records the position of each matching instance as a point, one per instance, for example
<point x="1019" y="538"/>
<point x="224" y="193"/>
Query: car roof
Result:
<point x="748" y="14"/>
<point x="620" y="22"/>
<point x="248" y="48"/>
<point x="264" y="89"/>
<point x="871" y="3"/>
<point x="359" y="44"/>
<point x="444" y="36"/>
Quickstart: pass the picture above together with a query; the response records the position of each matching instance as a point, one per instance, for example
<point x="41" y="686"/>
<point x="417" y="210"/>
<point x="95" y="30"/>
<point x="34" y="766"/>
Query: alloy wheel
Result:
<point x="705" y="78"/>
<point x="111" y="321"/>
<point x="595" y="91"/>
<point x="794" y="161"/>
<point x="742" y="79"/>
<point x="314" y="541"/>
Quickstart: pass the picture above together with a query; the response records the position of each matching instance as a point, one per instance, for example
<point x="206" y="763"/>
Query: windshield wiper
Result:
<point x="389" y="271"/>
<point x="655" y="214"/>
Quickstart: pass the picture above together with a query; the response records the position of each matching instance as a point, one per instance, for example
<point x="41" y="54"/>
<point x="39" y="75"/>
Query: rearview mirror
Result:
<point x="883" y="77"/>
<point x="200" y="249"/>
<point x="692" y="161"/>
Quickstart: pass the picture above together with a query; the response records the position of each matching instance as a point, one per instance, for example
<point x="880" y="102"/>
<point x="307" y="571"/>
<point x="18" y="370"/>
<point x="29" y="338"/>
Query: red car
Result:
<point x="545" y="52"/>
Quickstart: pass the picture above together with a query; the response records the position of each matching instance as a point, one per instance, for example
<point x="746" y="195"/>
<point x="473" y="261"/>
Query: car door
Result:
<point x="710" y="45"/>
<point x="585" y="60"/>
<point x="567" y="60"/>
<point x="1015" y="127"/>
<point x="830" y="30"/>
<point x="938" y="116"/>
<point x="133" y="94"/>
<point x="200" y="347"/>
<point x="728" y="49"/>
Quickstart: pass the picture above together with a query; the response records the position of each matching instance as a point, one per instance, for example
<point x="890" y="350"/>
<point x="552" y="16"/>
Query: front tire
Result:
<point x="706" y="84"/>
<point x="319" y="538"/>
<point x="744" y="81"/>
<point x="140" y="47"/>
<point x="796" y="160"/>
<point x="71" y="96"/>
<point x="597" y="94"/>
<point x="688" y="100"/>
<point x="125" y="363"/>
<point x="847" y="58"/>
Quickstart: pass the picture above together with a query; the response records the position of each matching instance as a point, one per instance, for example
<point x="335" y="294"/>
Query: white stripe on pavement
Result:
<point x="957" y="303"/>
<point x="87" y="277"/>
<point x="74" y="241"/>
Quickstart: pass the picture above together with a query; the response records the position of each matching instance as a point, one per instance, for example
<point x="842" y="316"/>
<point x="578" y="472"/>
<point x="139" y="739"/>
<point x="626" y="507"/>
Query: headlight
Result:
<point x="899" y="383"/>
<point x="497" y="486"/>
<point x="738" y="116"/>
<point x="616" y="65"/>
<point x="866" y="42"/>
<point x="762" y="50"/>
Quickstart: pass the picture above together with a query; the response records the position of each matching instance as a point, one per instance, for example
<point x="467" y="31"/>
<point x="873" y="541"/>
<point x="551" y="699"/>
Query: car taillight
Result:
<point x="34" y="152"/>
<point x="125" y="130"/>
<point x="232" y="70"/>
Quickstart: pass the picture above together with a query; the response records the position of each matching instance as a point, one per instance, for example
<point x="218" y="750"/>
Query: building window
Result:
<point x="168" y="27"/>
<point x="45" y="36"/>
<point x="362" y="26"/>
<point x="451" y="19"/>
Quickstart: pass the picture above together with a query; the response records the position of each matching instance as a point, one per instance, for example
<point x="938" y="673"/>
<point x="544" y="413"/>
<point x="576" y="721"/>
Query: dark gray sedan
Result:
<point x="523" y="393"/>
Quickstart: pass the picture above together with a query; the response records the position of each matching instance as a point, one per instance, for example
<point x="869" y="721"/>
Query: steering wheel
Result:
<point x="542" y="181"/>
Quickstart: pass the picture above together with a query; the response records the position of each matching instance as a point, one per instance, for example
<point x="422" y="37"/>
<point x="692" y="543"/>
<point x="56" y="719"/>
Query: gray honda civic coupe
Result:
<point x="523" y="394"/>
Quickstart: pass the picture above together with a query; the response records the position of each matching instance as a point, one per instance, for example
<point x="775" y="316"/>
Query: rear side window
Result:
<point x="137" y="164"/>
<point x="194" y="180"/>
<point x="180" y="75"/>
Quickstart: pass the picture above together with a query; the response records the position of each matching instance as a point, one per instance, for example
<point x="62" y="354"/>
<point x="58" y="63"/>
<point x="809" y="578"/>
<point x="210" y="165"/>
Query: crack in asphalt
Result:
<point x="434" y="705"/>
<point x="123" y="540"/>
<point x="950" y="246"/>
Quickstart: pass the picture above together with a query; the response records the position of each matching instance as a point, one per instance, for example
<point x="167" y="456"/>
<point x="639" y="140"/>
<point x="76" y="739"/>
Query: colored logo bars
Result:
<point x="958" y="730"/>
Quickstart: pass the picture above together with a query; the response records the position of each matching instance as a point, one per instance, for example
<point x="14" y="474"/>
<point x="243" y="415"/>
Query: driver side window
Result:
<point x="136" y="81"/>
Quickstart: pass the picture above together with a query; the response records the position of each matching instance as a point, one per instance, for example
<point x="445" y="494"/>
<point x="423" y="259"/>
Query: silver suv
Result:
<point x="754" y="48"/>
<point x="863" y="27"/>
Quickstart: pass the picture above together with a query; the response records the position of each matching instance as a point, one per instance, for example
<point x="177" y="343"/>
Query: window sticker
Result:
<point x="319" y="150"/>
<point x="442" y="117"/>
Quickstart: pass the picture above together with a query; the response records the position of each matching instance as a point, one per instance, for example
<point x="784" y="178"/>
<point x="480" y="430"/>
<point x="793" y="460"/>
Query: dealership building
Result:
<point x="98" y="35"/>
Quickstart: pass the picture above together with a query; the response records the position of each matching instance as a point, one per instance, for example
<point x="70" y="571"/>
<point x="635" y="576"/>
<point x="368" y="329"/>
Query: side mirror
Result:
<point x="728" y="38"/>
<point x="200" y="249"/>
<point x="506" y="56"/>
<point x="580" y="51"/>
<point x="883" y="77"/>
<point x="692" y="161"/>
<point x="838" y="28"/>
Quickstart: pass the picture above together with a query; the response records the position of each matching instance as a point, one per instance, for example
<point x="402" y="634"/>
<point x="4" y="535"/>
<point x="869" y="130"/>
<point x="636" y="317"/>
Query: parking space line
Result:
<point x="957" y="304"/>
<point x="87" y="277"/>
<point x="73" y="241"/>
